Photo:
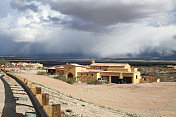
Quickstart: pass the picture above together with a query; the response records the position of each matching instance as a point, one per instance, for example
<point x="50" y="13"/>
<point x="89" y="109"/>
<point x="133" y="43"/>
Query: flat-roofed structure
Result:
<point x="24" y="64"/>
<point x="112" y="72"/>
<point x="72" y="69"/>
<point x="60" y="70"/>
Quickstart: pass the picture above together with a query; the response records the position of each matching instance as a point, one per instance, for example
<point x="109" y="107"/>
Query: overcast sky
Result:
<point x="100" y="28"/>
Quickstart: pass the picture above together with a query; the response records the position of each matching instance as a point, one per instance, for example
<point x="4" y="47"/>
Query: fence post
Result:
<point x="45" y="99"/>
<point x="53" y="110"/>
<point x="38" y="90"/>
<point x="56" y="110"/>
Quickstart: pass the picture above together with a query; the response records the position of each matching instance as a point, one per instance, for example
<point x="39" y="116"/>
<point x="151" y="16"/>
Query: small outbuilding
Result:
<point x="51" y="70"/>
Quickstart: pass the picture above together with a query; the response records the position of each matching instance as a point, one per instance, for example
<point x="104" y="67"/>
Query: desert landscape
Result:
<point x="148" y="99"/>
<point x="88" y="58"/>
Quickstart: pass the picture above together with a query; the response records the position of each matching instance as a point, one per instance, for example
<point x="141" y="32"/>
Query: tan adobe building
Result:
<point x="60" y="69"/>
<point x="24" y="64"/>
<point x="71" y="70"/>
<point x="149" y="79"/>
<point x="112" y="72"/>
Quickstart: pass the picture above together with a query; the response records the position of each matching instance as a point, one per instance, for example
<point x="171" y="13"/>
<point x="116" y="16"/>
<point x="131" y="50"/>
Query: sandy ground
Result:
<point x="155" y="99"/>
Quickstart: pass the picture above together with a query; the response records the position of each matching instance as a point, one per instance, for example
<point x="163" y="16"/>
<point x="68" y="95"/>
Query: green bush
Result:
<point x="68" y="110"/>
<point x="95" y="82"/>
<point x="63" y="78"/>
<point x="41" y="73"/>
<point x="131" y="115"/>
<point x="70" y="80"/>
<point x="38" y="68"/>
<point x="3" y="62"/>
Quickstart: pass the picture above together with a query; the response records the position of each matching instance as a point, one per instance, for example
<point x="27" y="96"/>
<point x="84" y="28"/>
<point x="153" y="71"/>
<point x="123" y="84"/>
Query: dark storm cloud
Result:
<point x="79" y="24"/>
<point x="9" y="47"/>
<point x="23" y="5"/>
<point x="105" y="13"/>
<point x="75" y="23"/>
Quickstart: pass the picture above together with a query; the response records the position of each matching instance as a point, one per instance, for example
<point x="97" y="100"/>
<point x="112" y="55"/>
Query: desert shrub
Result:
<point x="131" y="115"/>
<point x="23" y="68"/>
<point x="11" y="70"/>
<point x="95" y="82"/>
<point x="70" y="80"/>
<point x="3" y="62"/>
<point x="68" y="110"/>
<point x="41" y="73"/>
<point x="63" y="78"/>
<point x="38" y="68"/>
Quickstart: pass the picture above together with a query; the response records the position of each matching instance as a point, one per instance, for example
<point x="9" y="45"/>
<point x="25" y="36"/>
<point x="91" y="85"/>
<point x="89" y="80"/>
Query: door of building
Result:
<point x="116" y="79"/>
<point x="127" y="79"/>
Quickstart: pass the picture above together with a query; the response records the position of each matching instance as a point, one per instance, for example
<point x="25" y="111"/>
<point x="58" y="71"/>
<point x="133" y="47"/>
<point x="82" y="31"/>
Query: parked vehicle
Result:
<point x="102" y="80"/>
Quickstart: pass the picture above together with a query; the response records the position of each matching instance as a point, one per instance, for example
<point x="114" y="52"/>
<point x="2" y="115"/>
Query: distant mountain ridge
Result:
<point x="147" y="55"/>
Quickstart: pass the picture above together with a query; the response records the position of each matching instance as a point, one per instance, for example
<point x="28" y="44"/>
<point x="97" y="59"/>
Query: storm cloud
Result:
<point x="87" y="27"/>
<point x="104" y="12"/>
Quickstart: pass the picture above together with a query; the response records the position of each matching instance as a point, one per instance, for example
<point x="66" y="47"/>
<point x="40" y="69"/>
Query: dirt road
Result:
<point x="155" y="99"/>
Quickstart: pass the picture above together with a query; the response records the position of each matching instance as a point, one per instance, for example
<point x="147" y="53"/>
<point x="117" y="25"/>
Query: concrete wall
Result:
<point x="72" y="69"/>
<point x="99" y="67"/>
<point x="136" y="77"/>
<point x="109" y="73"/>
<point x="85" y="76"/>
<point x="118" y="69"/>
<point x="134" y="69"/>
<point x="69" y="69"/>
<point x="60" y="72"/>
<point x="149" y="79"/>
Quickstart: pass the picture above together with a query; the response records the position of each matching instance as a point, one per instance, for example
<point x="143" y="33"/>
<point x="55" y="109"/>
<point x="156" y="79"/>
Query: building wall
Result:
<point x="118" y="69"/>
<point x="72" y="69"/>
<point x="136" y="77"/>
<point x="78" y="69"/>
<point x="99" y="67"/>
<point x="60" y="72"/>
<point x="69" y="69"/>
<point x="113" y="68"/>
<point x="109" y="74"/>
<point x="24" y="64"/>
<point x="85" y="76"/>
<point x="134" y="69"/>
<point x="149" y="79"/>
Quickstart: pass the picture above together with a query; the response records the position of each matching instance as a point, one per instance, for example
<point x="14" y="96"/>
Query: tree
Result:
<point x="3" y="62"/>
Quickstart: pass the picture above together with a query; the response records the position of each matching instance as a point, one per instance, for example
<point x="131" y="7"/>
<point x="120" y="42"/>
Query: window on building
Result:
<point x="92" y="74"/>
<point x="136" y="76"/>
<point x="81" y="74"/>
<point x="87" y="74"/>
